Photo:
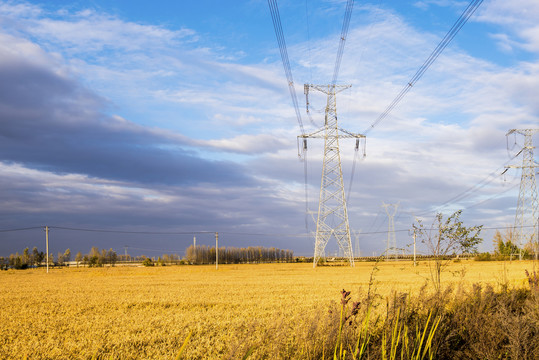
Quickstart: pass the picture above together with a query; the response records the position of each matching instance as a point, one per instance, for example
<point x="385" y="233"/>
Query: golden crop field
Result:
<point x="147" y="313"/>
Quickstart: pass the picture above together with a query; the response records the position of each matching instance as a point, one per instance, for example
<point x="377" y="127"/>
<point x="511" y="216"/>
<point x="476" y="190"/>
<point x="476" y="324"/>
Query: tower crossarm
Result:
<point x="328" y="89"/>
<point x="523" y="131"/>
<point x="330" y="128"/>
<point x="343" y="134"/>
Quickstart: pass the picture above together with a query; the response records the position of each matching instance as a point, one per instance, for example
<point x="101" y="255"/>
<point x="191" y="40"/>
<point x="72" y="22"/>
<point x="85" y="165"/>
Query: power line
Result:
<point x="490" y="198"/>
<point x="308" y="39"/>
<point x="132" y="232"/>
<point x="375" y="220"/>
<point x="156" y="250"/>
<point x="266" y="234"/>
<point x="284" y="57"/>
<point x="22" y="229"/>
<point x="468" y="12"/>
<point x="353" y="172"/>
<point x="468" y="192"/>
<point x="159" y="232"/>
<point x="225" y="233"/>
<point x="344" y="34"/>
<point x="305" y="169"/>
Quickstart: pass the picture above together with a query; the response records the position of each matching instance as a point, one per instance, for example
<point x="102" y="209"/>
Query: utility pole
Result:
<point x="527" y="207"/>
<point x="216" y="251"/>
<point x="391" y="237"/>
<point x="332" y="219"/>
<point x="47" y="245"/>
<point x="195" y="245"/>
<point x="415" y="263"/>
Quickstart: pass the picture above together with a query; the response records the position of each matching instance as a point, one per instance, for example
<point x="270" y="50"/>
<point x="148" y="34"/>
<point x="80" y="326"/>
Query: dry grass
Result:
<point x="133" y="313"/>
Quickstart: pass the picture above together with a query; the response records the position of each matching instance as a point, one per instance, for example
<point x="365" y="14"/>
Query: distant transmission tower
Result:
<point x="527" y="209"/>
<point x="332" y="219"/>
<point x="391" y="248"/>
<point x="357" y="250"/>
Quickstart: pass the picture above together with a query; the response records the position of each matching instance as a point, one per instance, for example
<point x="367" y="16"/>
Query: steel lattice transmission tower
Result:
<point x="391" y="248"/>
<point x="332" y="221"/>
<point x="528" y="204"/>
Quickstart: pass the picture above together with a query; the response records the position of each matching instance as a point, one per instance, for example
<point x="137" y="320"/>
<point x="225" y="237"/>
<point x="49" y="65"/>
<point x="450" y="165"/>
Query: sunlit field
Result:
<point x="147" y="313"/>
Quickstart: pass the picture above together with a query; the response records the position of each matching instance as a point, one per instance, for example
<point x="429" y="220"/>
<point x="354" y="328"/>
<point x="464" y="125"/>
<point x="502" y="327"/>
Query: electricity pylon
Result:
<point x="357" y="250"/>
<point x="391" y="248"/>
<point x="332" y="219"/>
<point x="527" y="207"/>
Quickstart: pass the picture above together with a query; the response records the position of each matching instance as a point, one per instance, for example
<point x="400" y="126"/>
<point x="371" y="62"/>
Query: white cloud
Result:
<point x="21" y="10"/>
<point x="518" y="18"/>
<point x="89" y="31"/>
<point x="14" y="48"/>
<point x="249" y="144"/>
<point x="443" y="3"/>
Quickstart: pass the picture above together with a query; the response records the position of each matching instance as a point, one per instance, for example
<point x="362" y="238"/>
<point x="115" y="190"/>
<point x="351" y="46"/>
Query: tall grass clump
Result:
<point x="479" y="323"/>
<point x="399" y="330"/>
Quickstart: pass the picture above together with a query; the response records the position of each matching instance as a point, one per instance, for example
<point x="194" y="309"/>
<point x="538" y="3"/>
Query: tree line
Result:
<point x="505" y="247"/>
<point x="96" y="257"/>
<point x="36" y="258"/>
<point x="203" y="254"/>
<point x="28" y="259"/>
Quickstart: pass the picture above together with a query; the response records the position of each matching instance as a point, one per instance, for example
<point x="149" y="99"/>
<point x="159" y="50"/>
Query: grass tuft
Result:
<point x="179" y="356"/>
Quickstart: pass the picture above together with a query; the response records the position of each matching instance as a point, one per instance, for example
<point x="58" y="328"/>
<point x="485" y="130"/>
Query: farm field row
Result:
<point x="133" y="313"/>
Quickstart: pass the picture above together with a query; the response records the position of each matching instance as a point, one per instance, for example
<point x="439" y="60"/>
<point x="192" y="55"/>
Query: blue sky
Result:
<point x="176" y="118"/>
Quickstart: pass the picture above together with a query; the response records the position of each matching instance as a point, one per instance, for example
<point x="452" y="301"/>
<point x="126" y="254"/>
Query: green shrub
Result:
<point x="484" y="257"/>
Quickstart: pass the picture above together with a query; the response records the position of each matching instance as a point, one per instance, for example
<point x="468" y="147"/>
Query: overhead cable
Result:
<point x="490" y="198"/>
<point x="284" y="57"/>
<point x="299" y="235"/>
<point x="131" y="232"/>
<point x="468" y="12"/>
<point x="471" y="190"/>
<point x="22" y="229"/>
<point x="344" y="34"/>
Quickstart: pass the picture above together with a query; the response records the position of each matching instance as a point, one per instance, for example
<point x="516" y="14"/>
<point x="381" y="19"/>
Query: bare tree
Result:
<point x="446" y="238"/>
